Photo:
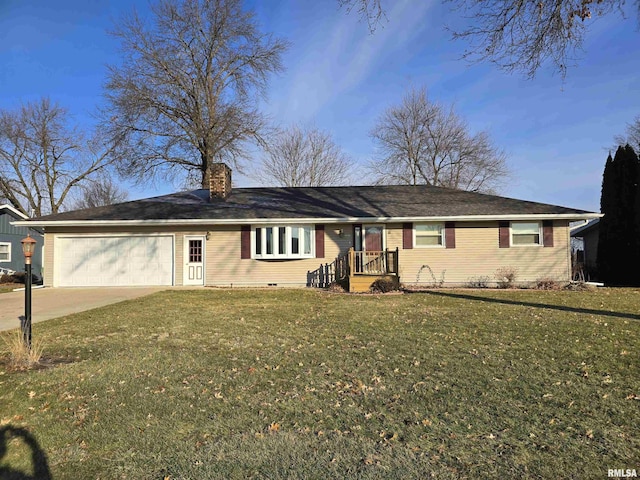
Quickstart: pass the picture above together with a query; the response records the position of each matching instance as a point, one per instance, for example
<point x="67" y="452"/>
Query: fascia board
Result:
<point x="13" y="210"/>
<point x="289" y="221"/>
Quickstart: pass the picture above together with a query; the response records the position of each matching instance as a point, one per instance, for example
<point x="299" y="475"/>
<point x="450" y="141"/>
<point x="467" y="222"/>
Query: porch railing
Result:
<point x="322" y="276"/>
<point x="384" y="262"/>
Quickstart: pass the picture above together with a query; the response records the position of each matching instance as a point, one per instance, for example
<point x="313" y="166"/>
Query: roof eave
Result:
<point x="9" y="208"/>
<point x="284" y="221"/>
<point x="580" y="230"/>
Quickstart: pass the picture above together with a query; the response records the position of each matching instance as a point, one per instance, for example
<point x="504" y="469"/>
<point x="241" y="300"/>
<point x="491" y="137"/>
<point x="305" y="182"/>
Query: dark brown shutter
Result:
<point x="503" y="235"/>
<point x="547" y="233"/>
<point x="319" y="241"/>
<point x="450" y="234"/>
<point x="407" y="236"/>
<point x="245" y="241"/>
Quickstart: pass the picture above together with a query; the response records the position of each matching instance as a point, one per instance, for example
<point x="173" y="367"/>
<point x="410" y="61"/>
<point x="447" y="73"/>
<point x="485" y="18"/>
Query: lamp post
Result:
<point x="28" y="246"/>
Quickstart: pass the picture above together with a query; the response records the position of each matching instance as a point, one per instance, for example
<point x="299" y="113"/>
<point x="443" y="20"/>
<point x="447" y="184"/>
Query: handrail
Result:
<point x="329" y="273"/>
<point x="376" y="262"/>
<point x="342" y="266"/>
<point x="379" y="262"/>
<point x="322" y="277"/>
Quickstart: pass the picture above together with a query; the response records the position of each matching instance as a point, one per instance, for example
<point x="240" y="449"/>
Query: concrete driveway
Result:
<point x="50" y="303"/>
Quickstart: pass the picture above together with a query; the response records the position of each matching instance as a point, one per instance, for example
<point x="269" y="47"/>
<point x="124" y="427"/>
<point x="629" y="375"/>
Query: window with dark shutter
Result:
<point x="245" y="241"/>
<point x="407" y="236"/>
<point x="450" y="234"/>
<point x="319" y="241"/>
<point x="282" y="242"/>
<point x="547" y="233"/>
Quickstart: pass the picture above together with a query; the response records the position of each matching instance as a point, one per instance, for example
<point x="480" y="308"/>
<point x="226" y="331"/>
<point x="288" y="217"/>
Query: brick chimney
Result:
<point x="219" y="181"/>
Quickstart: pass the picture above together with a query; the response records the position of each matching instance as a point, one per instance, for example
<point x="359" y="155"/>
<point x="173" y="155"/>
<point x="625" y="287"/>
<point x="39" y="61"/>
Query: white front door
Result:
<point x="193" y="260"/>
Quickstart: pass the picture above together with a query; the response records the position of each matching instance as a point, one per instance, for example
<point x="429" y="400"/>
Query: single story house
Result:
<point x="11" y="257"/>
<point x="294" y="236"/>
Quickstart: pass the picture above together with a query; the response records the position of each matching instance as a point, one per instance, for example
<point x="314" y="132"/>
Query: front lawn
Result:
<point x="305" y="384"/>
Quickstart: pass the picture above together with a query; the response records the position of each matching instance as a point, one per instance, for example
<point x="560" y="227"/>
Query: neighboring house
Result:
<point x="11" y="257"/>
<point x="281" y="236"/>
<point x="589" y="234"/>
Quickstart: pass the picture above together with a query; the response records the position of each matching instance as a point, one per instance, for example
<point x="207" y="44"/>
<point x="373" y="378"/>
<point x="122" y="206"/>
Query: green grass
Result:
<point x="305" y="384"/>
<point x="7" y="289"/>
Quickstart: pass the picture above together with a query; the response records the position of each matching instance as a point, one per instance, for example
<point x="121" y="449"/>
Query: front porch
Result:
<point x="357" y="270"/>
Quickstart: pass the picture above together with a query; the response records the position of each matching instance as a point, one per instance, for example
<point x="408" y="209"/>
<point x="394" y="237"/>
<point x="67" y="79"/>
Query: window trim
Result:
<point x="275" y="242"/>
<point x="8" y="244"/>
<point x="443" y="237"/>
<point x="540" y="235"/>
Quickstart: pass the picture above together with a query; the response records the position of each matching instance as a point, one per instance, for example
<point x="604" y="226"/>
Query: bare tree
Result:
<point x="305" y="158"/>
<point x="370" y="10"/>
<point x="422" y="142"/>
<point x="516" y="35"/>
<point x="43" y="158"/>
<point x="184" y="95"/>
<point x="99" y="192"/>
<point x="521" y="36"/>
<point x="632" y="136"/>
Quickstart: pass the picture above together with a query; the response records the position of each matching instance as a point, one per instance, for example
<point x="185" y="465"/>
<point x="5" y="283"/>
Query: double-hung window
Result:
<point x="5" y="252"/>
<point x="429" y="235"/>
<point x="526" y="233"/>
<point x="280" y="242"/>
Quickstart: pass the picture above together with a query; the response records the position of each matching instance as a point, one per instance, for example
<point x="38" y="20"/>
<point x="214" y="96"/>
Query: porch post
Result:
<point x="351" y="261"/>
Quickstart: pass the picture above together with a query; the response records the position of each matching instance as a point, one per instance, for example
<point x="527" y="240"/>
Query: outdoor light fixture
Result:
<point x="28" y="247"/>
<point x="208" y="236"/>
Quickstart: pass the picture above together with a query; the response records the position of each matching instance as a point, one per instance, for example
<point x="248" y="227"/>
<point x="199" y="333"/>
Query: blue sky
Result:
<point x="339" y="78"/>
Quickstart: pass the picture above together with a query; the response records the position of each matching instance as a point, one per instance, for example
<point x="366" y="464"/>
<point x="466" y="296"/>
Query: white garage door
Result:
<point x="113" y="261"/>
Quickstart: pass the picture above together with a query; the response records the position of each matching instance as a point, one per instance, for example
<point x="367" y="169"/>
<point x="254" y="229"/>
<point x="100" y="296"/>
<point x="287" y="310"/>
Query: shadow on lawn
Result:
<point x="587" y="311"/>
<point x="38" y="457"/>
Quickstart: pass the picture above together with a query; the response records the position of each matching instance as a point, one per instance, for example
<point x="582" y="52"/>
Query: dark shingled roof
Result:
<point x="400" y="201"/>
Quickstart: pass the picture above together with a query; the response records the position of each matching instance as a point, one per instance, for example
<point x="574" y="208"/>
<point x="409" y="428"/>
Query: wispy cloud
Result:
<point x="341" y="54"/>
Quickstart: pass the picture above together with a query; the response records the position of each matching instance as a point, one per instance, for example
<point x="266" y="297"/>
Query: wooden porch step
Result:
<point x="362" y="283"/>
